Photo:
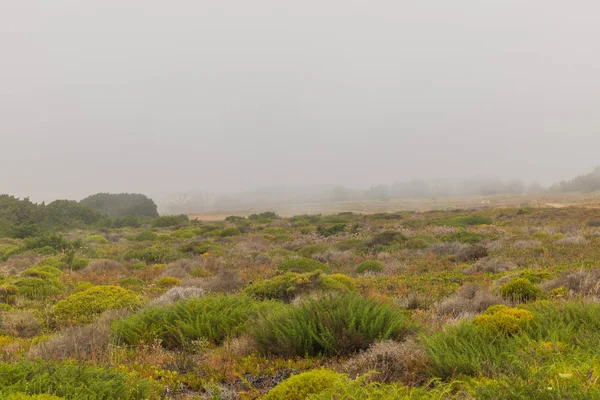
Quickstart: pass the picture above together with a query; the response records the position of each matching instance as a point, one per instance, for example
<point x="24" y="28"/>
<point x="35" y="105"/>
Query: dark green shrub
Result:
<point x="214" y="317"/>
<point x="167" y="282"/>
<point x="330" y="325"/>
<point x="520" y="289"/>
<point x="55" y="241"/>
<point x="131" y="283"/>
<point x="387" y="238"/>
<point x="170" y="220"/>
<point x="288" y="286"/>
<point x="38" y="288"/>
<point x="471" y="220"/>
<point x="303" y="265"/>
<point x="153" y="254"/>
<point x="84" y="307"/>
<point x="331" y="230"/>
<point x="127" y="222"/>
<point x="203" y="248"/>
<point x="72" y="381"/>
<point x="369" y="266"/>
<point x="121" y="205"/>
<point x="300" y="387"/>
<point x="312" y="249"/>
<point x="146" y="236"/>
<point x="263" y="217"/>
<point x="227" y="232"/>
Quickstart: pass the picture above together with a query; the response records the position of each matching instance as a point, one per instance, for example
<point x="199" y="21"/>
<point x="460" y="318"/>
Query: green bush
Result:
<point x="168" y="281"/>
<point x="288" y="286"/>
<point x="275" y="230"/>
<point x="38" y="288"/>
<point x="72" y="381"/>
<point x="299" y="387"/>
<point x="303" y="265"/>
<point x="520" y="289"/>
<point x="214" y="317"/>
<point x="503" y="319"/>
<point x="331" y="230"/>
<point x="130" y="282"/>
<point x="203" y="248"/>
<point x="21" y="396"/>
<point x="152" y="254"/>
<point x="387" y="238"/>
<point x="227" y="232"/>
<point x="183" y="234"/>
<point x="330" y="325"/>
<point x="121" y="204"/>
<point x="146" y="236"/>
<point x="97" y="239"/>
<point x="84" y="307"/>
<point x="369" y="266"/>
<point x="471" y="220"/>
<point x="170" y="220"/>
<point x="312" y="249"/>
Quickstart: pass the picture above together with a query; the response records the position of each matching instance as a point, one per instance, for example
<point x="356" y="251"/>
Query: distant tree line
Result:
<point x="583" y="183"/>
<point x="21" y="218"/>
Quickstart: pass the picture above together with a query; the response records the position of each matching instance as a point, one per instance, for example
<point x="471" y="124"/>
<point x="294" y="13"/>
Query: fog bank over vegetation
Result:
<point x="147" y="97"/>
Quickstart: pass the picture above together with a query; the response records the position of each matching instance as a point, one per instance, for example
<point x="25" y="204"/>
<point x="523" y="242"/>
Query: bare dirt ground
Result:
<point x="555" y="200"/>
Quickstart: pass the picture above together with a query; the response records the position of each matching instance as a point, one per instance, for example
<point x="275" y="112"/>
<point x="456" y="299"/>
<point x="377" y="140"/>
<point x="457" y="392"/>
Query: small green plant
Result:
<point x="369" y="266"/>
<point x="300" y="387"/>
<point x="167" y="282"/>
<point x="84" y="307"/>
<point x="520" y="289"/>
<point x="303" y="265"/>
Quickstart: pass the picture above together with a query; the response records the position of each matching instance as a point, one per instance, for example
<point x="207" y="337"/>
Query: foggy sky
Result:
<point x="159" y="96"/>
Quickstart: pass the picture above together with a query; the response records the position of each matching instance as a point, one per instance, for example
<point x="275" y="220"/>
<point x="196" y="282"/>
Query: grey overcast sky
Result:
<point x="159" y="96"/>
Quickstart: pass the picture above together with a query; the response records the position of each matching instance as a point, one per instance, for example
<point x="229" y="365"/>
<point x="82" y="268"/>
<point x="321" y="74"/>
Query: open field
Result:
<point x="556" y="200"/>
<point x="497" y="302"/>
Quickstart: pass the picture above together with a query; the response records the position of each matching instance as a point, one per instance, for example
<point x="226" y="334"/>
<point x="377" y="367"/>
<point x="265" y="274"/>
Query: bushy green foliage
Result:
<point x="146" y="236"/>
<point x="503" y="319"/>
<point x="303" y="265"/>
<point x="471" y="349"/>
<point x="21" y="396"/>
<point x="131" y="283"/>
<point x="38" y="288"/>
<point x="22" y="218"/>
<point x="84" y="307"/>
<point x="275" y="230"/>
<point x="121" y="205"/>
<point x="520" y="289"/>
<point x="387" y="238"/>
<point x="312" y="249"/>
<point x="203" y="248"/>
<point x="299" y="387"/>
<point x="329" y="325"/>
<point x="369" y="266"/>
<point x="214" y="317"/>
<point x="72" y="381"/>
<point x="183" y="234"/>
<point x="331" y="230"/>
<point x="170" y="220"/>
<point x="157" y="254"/>
<point x="168" y="281"/>
<point x="264" y="217"/>
<point x="55" y="241"/>
<point x="470" y="220"/>
<point x="288" y="286"/>
<point x="230" y="232"/>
